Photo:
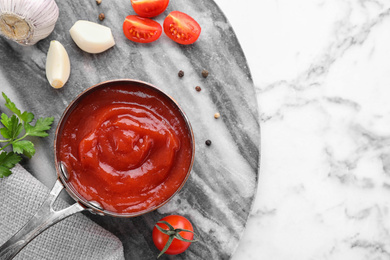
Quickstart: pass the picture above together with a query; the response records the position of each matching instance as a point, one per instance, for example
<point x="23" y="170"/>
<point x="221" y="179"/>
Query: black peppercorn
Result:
<point x="101" y="16"/>
<point x="205" y="73"/>
<point x="197" y="88"/>
<point x="208" y="142"/>
<point x="181" y="73"/>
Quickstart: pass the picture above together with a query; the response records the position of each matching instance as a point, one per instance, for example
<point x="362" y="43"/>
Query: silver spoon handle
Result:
<point x="43" y="219"/>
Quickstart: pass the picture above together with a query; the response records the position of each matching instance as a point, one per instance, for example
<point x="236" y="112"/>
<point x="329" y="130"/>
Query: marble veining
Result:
<point x="323" y="92"/>
<point x="219" y="193"/>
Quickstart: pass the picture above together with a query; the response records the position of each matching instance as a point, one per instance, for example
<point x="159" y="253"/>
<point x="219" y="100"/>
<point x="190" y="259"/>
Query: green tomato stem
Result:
<point x="173" y="233"/>
<point x="169" y="242"/>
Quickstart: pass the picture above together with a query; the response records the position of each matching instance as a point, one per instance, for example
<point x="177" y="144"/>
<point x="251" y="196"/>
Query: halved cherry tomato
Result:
<point x="149" y="8"/>
<point x="181" y="28"/>
<point x="139" y="29"/>
<point x="178" y="223"/>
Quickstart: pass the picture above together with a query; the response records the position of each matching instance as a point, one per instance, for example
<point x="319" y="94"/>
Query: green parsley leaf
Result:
<point x="4" y="171"/>
<point x="5" y="120"/>
<point x="8" y="161"/>
<point x="11" y="106"/>
<point x="24" y="147"/>
<point x="12" y="130"/>
<point x="12" y="127"/>
<point x="40" y="128"/>
<point x="26" y="117"/>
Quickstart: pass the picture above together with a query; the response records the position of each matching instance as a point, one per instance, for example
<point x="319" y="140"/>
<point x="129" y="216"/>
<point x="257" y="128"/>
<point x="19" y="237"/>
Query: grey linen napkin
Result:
<point x="76" y="237"/>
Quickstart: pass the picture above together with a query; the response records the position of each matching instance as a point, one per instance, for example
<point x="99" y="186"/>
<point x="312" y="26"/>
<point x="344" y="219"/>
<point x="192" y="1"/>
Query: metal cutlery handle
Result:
<point x="43" y="219"/>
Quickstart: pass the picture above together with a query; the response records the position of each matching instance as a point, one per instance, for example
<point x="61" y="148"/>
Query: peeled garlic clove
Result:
<point x="57" y="65"/>
<point x="27" y="21"/>
<point x="91" y="37"/>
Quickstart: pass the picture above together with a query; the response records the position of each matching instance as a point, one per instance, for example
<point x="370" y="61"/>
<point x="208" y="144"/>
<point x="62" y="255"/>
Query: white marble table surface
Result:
<point x="322" y="76"/>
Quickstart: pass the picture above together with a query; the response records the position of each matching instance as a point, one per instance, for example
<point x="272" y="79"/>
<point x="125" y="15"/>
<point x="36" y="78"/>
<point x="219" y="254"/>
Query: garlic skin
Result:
<point x="27" y="21"/>
<point x="57" y="65"/>
<point x="91" y="37"/>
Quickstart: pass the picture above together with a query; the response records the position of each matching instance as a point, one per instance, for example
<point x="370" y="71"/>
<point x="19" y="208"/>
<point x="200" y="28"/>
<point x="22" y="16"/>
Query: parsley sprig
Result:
<point x="16" y="128"/>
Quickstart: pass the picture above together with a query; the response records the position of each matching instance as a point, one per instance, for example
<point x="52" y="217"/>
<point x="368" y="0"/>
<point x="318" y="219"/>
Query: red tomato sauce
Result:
<point x="126" y="147"/>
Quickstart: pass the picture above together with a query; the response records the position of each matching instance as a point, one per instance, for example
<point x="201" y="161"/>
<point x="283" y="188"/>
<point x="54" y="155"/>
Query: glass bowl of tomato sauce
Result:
<point x="123" y="148"/>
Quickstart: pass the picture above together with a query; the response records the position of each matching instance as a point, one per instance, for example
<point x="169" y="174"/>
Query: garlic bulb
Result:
<point x="57" y="65"/>
<point x="27" y="21"/>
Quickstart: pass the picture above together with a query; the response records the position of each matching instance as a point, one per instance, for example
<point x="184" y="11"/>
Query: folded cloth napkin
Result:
<point x="74" y="238"/>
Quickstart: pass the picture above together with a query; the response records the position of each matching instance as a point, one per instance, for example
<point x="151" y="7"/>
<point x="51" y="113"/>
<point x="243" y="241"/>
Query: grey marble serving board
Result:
<point x="219" y="194"/>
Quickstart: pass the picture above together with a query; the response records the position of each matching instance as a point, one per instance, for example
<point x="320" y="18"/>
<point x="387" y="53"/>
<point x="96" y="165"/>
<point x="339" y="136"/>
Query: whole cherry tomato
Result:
<point x="149" y="8"/>
<point x="181" y="28"/>
<point x="173" y="234"/>
<point x="139" y="29"/>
